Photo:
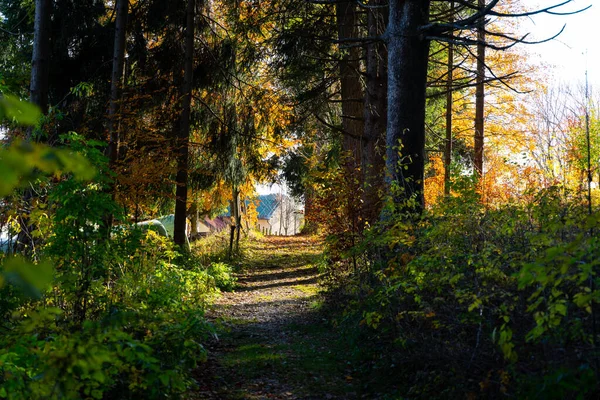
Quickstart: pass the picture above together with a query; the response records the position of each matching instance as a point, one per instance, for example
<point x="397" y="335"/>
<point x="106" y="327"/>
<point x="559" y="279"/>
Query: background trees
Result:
<point x="315" y="77"/>
<point x="402" y="124"/>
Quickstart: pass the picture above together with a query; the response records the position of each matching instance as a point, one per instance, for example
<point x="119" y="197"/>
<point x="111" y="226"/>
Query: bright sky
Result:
<point x="567" y="52"/>
<point x="266" y="189"/>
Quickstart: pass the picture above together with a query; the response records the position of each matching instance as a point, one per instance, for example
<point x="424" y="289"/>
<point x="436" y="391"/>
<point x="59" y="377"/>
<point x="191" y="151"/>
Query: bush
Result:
<point x="223" y="275"/>
<point x="506" y="294"/>
<point x="118" y="316"/>
<point x="99" y="360"/>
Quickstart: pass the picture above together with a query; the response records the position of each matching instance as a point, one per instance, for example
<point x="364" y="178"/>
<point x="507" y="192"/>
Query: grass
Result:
<point x="312" y="360"/>
<point x="264" y="298"/>
<point x="311" y="290"/>
<point x="253" y="360"/>
<point x="305" y="353"/>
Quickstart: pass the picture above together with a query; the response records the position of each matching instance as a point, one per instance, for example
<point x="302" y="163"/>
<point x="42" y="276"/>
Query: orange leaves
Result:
<point x="434" y="185"/>
<point x="505" y="121"/>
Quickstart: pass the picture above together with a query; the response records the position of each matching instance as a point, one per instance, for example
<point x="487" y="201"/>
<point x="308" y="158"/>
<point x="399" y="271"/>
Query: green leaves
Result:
<point x="23" y="162"/>
<point x="21" y="112"/>
<point x="33" y="279"/>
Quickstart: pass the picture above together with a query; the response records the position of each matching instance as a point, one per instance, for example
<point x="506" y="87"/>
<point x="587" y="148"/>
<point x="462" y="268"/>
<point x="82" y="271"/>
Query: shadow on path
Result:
<point x="272" y="343"/>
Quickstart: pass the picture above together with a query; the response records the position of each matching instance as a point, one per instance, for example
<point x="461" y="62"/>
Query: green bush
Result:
<point x="223" y="275"/>
<point x="507" y="294"/>
<point x="100" y="360"/>
<point x="117" y="316"/>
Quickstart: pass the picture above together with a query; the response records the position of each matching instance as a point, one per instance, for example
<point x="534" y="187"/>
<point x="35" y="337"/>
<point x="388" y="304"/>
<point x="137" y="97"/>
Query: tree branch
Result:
<point x="438" y="28"/>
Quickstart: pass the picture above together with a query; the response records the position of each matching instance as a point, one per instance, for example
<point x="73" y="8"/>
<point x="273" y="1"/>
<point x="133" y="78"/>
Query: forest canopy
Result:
<point x="455" y="190"/>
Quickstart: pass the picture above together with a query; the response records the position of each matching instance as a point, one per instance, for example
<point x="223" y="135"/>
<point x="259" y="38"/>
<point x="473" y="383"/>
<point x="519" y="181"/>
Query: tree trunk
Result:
<point x="480" y="96"/>
<point x="238" y="223"/>
<point x="449" y="83"/>
<point x="40" y="62"/>
<point x="310" y="218"/>
<point x="350" y="87"/>
<point x="352" y="99"/>
<point x="117" y="76"/>
<point x="231" y="239"/>
<point x="234" y="236"/>
<point x="408" y="53"/>
<point x="375" y="114"/>
<point x="179" y="234"/>
<point x="121" y="7"/>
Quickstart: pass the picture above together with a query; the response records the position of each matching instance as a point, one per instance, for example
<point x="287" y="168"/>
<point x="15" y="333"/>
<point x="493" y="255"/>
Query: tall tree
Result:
<point x="449" y="83"/>
<point x="375" y="112"/>
<point x="408" y="52"/>
<point x="39" y="96"/>
<point x="480" y="95"/>
<point x="408" y="35"/>
<point x="350" y="86"/>
<point x="122" y="7"/>
<point x="181" y="180"/>
<point x="40" y="62"/>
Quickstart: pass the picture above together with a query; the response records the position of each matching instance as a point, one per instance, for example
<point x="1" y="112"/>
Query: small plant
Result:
<point x="223" y="275"/>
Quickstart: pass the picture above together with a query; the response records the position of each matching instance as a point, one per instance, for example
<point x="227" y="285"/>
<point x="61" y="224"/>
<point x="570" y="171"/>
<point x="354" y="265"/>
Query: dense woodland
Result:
<point x="456" y="192"/>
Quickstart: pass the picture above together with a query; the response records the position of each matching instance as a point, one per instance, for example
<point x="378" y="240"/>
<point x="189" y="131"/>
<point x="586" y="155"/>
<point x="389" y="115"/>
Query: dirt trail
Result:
<point x="273" y="344"/>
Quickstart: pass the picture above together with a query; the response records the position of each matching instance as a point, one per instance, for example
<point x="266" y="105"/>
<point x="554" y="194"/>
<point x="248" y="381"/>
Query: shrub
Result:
<point x="506" y="294"/>
<point x="118" y="317"/>
<point x="223" y="275"/>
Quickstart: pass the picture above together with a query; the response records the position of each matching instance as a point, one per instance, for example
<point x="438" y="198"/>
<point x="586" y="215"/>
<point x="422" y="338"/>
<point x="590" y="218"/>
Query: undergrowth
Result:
<point x="468" y="300"/>
<point x="100" y="313"/>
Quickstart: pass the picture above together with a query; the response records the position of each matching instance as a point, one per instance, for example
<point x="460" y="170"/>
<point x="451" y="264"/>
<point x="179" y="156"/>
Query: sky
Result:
<point x="266" y="189"/>
<point x="567" y="53"/>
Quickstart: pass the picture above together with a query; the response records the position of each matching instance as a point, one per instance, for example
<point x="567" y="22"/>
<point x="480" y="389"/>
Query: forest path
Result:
<point x="272" y="342"/>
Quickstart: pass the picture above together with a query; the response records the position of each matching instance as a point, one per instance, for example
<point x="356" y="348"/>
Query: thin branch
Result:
<point x="371" y="7"/>
<point x="505" y="36"/>
<point x="438" y="28"/>
<point x="9" y="32"/>
<point x="237" y="131"/>
<point x="471" y="42"/>
<point x="547" y="10"/>
<point x="336" y="128"/>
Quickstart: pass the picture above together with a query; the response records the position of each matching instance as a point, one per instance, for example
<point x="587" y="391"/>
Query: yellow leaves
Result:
<point x="252" y="213"/>
<point x="434" y="185"/>
<point x="506" y="117"/>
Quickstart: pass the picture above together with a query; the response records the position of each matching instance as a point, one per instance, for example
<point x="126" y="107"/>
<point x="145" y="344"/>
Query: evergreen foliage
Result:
<point x="472" y="274"/>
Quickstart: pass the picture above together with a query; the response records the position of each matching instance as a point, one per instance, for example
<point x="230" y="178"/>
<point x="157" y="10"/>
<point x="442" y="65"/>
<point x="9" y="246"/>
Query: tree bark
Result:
<point x="40" y="62"/>
<point x="375" y="114"/>
<point x="179" y="234"/>
<point x="480" y="97"/>
<point x="449" y="83"/>
<point x="122" y="7"/>
<point x="408" y="53"/>
<point x="234" y="237"/>
<point x="194" y="218"/>
<point x="40" y="67"/>
<point x="352" y="102"/>
<point x="238" y="222"/>
<point x="350" y="86"/>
